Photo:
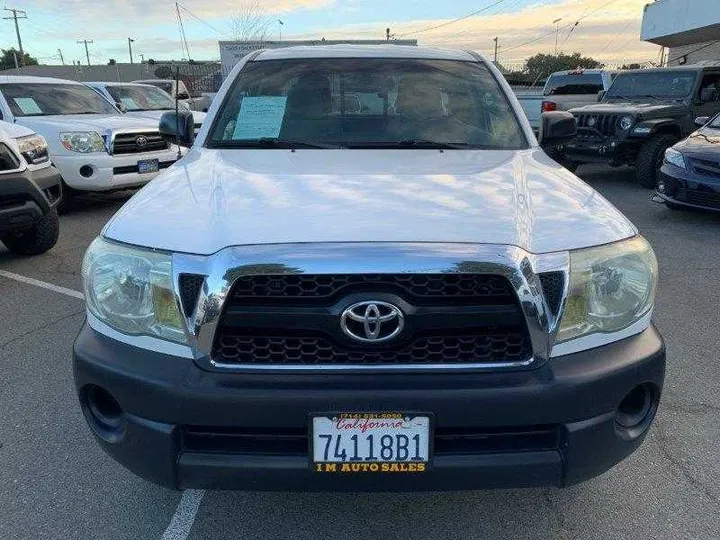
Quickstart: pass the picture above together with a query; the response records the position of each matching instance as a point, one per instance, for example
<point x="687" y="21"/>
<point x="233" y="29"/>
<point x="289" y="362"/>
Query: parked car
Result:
<point x="93" y="145"/>
<point x="176" y="89"/>
<point x="141" y="100"/>
<point x="690" y="174"/>
<point x="565" y="90"/>
<point x="643" y="114"/>
<point x="30" y="191"/>
<point x="410" y="300"/>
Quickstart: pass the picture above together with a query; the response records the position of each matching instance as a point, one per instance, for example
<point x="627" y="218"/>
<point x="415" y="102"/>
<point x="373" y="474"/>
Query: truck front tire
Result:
<point x="37" y="239"/>
<point x="650" y="158"/>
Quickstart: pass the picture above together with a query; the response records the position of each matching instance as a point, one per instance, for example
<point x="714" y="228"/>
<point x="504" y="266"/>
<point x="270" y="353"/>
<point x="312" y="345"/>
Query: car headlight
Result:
<point x="674" y="157"/>
<point x="130" y="289"/>
<point x="82" y="141"/>
<point x="626" y="122"/>
<point x="611" y="287"/>
<point x="33" y="148"/>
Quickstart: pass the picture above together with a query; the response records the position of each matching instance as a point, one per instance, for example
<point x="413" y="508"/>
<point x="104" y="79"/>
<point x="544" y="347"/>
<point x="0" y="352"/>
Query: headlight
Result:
<point x="610" y="288"/>
<point x="83" y="141"/>
<point x="674" y="157"/>
<point x="626" y="122"/>
<point x="33" y="148"/>
<point x="131" y="290"/>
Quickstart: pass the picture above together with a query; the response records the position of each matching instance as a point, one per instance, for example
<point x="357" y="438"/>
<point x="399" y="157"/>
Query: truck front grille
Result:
<point x="295" y="320"/>
<point x="138" y="142"/>
<point x="596" y="125"/>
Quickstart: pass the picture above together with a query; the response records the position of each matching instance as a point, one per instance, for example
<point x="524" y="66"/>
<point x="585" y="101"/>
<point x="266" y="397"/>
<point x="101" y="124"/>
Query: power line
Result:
<point x="693" y="51"/>
<point x="441" y="25"/>
<point x="87" y="53"/>
<point x="210" y="26"/>
<point x="577" y="23"/>
<point x="612" y="40"/>
<point x="463" y="32"/>
<point x="182" y="30"/>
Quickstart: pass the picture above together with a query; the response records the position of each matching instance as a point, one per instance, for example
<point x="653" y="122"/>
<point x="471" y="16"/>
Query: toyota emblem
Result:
<point x="141" y="141"/>
<point x="372" y="321"/>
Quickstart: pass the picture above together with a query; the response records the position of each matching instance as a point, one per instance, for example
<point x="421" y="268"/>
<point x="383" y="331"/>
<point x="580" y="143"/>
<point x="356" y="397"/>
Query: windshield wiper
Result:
<point x="410" y="143"/>
<point x="269" y="142"/>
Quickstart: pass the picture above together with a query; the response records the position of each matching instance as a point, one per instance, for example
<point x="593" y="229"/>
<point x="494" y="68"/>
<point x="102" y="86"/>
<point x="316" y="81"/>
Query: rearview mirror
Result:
<point x="557" y="128"/>
<point x="700" y="121"/>
<point x="178" y="128"/>
<point x="183" y="95"/>
<point x="601" y="95"/>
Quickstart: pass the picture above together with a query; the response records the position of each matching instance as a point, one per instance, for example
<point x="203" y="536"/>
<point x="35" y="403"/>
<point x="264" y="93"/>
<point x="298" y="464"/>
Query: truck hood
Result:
<point x="13" y="131"/>
<point x="199" y="117"/>
<point x="85" y="122"/>
<point x="213" y="199"/>
<point x="634" y="108"/>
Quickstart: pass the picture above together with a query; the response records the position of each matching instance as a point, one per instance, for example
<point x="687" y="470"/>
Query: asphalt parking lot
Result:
<point x="55" y="482"/>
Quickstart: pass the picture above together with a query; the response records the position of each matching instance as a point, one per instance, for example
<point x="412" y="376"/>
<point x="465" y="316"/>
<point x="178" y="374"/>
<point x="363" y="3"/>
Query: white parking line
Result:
<point x="184" y="516"/>
<point x="43" y="284"/>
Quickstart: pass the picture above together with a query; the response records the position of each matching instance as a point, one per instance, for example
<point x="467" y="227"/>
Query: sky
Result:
<point x="607" y="30"/>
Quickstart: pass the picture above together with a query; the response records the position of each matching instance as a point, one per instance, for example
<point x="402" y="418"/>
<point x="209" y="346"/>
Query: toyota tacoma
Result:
<point x="408" y="295"/>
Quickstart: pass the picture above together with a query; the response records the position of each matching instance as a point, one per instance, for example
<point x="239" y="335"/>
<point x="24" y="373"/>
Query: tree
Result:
<point x="631" y="66"/>
<point x="250" y="22"/>
<point x="7" y="59"/>
<point x="542" y="65"/>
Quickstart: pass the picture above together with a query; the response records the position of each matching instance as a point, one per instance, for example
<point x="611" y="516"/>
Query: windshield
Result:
<point x="141" y="98"/>
<point x="367" y="103"/>
<point x="653" y="84"/>
<point x="573" y="83"/>
<point x="54" y="99"/>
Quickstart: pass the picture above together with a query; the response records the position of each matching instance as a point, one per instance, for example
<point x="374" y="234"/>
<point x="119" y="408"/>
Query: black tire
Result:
<point x="37" y="239"/>
<point x="650" y="158"/>
<point x="66" y="203"/>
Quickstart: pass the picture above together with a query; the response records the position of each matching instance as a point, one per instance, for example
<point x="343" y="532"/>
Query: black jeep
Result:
<point x="642" y="114"/>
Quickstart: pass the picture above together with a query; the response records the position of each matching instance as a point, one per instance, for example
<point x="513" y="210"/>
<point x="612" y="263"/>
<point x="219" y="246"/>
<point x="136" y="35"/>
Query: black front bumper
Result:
<point x="26" y="197"/>
<point x="687" y="188"/>
<point x="602" y="150"/>
<point x="184" y="427"/>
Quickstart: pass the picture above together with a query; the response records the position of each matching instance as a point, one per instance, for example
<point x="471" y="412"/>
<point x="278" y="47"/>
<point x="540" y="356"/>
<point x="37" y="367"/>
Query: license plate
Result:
<point x="370" y="443"/>
<point x="148" y="166"/>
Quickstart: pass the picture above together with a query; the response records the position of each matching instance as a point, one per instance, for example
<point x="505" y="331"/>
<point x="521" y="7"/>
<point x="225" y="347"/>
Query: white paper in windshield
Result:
<point x="27" y="105"/>
<point x="260" y="117"/>
<point x="129" y="103"/>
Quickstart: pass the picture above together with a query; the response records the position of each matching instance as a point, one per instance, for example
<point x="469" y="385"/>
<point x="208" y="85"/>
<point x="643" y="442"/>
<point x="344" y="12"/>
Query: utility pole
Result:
<point x="130" y="42"/>
<point x="556" y="22"/>
<point x="15" y="18"/>
<point x="280" y="25"/>
<point x="87" y="53"/>
<point x="496" y="49"/>
<point x="62" y="60"/>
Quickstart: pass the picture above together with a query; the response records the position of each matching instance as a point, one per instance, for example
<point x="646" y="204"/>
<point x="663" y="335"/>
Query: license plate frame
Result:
<point x="148" y="166"/>
<point x="319" y="467"/>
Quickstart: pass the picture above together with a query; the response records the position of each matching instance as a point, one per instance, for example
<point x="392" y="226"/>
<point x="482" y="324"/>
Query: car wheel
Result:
<point x="650" y="159"/>
<point x="37" y="239"/>
<point x="67" y="202"/>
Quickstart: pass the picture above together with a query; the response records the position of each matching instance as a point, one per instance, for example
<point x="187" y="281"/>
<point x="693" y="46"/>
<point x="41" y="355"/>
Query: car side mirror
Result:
<point x="700" y="121"/>
<point x="120" y="105"/>
<point x="178" y="128"/>
<point x="557" y="128"/>
<point x="183" y="95"/>
<point x="601" y="95"/>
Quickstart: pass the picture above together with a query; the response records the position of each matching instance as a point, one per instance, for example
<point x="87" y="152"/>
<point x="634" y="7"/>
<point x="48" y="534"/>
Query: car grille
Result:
<point x="698" y="198"/>
<point x="451" y="319"/>
<point x="705" y="167"/>
<point x="127" y="143"/>
<point x="604" y="125"/>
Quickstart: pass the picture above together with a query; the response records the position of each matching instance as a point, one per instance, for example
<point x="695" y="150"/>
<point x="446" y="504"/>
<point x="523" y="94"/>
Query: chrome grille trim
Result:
<point x="224" y="267"/>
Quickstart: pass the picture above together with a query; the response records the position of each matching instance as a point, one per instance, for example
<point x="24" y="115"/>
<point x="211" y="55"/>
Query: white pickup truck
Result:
<point x="324" y="298"/>
<point x="564" y="90"/>
<point x="94" y="146"/>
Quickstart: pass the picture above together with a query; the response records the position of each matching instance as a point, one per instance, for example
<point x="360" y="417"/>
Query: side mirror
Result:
<point x="120" y="105"/>
<point x="700" y="121"/>
<point x="178" y="128"/>
<point x="601" y="95"/>
<point x="183" y="95"/>
<point x="557" y="128"/>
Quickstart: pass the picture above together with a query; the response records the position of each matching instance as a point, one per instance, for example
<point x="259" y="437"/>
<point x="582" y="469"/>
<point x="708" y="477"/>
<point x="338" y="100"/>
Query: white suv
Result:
<point x="92" y="144"/>
<point x="367" y="275"/>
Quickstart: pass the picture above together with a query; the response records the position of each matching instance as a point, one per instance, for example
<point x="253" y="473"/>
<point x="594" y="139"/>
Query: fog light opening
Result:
<point x="103" y="413"/>
<point x="86" y="171"/>
<point x="636" y="411"/>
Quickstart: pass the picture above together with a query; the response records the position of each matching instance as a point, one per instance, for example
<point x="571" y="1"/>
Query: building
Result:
<point x="690" y="29"/>
<point x="231" y="52"/>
